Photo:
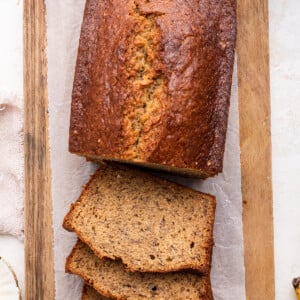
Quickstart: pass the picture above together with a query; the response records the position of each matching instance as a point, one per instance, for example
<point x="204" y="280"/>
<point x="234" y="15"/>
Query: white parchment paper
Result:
<point x="70" y="172"/>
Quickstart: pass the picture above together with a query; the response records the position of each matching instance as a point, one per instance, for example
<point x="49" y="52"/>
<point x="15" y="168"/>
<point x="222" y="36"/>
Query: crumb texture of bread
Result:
<point x="146" y="85"/>
<point x="111" y="279"/>
<point x="89" y="293"/>
<point x="151" y="224"/>
<point x="152" y="83"/>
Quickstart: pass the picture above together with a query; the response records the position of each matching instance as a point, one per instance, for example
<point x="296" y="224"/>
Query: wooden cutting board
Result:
<point x="255" y="141"/>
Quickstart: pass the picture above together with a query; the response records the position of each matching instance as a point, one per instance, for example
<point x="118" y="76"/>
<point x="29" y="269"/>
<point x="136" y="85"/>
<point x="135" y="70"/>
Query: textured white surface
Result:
<point x="70" y="172"/>
<point x="285" y="99"/>
<point x="11" y="165"/>
<point x="11" y="35"/>
<point x="11" y="119"/>
<point x="11" y="158"/>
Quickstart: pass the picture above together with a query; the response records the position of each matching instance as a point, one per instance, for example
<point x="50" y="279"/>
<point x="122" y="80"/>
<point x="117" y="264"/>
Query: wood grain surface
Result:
<point x="255" y="141"/>
<point x="39" y="277"/>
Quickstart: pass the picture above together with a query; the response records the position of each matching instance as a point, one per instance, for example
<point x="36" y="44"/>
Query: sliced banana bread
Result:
<point x="89" y="293"/>
<point x="111" y="279"/>
<point x="151" y="224"/>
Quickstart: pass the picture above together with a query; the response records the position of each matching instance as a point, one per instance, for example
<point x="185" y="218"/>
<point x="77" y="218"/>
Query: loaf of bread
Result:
<point x="111" y="279"/>
<point x="152" y="83"/>
<point x="89" y="293"/>
<point x="151" y="224"/>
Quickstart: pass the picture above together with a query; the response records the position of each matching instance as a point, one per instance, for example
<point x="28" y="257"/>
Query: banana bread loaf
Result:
<point x="112" y="280"/>
<point x="151" y="224"/>
<point x="152" y="83"/>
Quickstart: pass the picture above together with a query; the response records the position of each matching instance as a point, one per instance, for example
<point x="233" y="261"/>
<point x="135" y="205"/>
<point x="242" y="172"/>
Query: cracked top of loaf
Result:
<point x="152" y="83"/>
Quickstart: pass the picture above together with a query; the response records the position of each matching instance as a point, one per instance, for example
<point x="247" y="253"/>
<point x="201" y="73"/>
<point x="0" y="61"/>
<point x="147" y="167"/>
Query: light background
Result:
<point x="11" y="81"/>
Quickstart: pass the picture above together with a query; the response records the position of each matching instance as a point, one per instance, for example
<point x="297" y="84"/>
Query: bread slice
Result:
<point x="111" y="279"/>
<point x="89" y="293"/>
<point x="151" y="224"/>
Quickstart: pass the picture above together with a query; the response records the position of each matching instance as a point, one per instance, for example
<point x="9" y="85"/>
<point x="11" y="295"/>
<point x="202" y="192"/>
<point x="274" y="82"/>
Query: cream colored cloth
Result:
<point x="11" y="165"/>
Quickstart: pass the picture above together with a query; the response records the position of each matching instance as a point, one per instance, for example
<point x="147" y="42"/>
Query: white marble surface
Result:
<point x="11" y="82"/>
<point x="11" y="34"/>
<point x="285" y="97"/>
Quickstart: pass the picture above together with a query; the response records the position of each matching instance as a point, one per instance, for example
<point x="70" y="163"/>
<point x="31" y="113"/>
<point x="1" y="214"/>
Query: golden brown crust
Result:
<point x="194" y="59"/>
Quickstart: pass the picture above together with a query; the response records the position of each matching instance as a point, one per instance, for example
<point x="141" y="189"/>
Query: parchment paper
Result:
<point x="70" y="172"/>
